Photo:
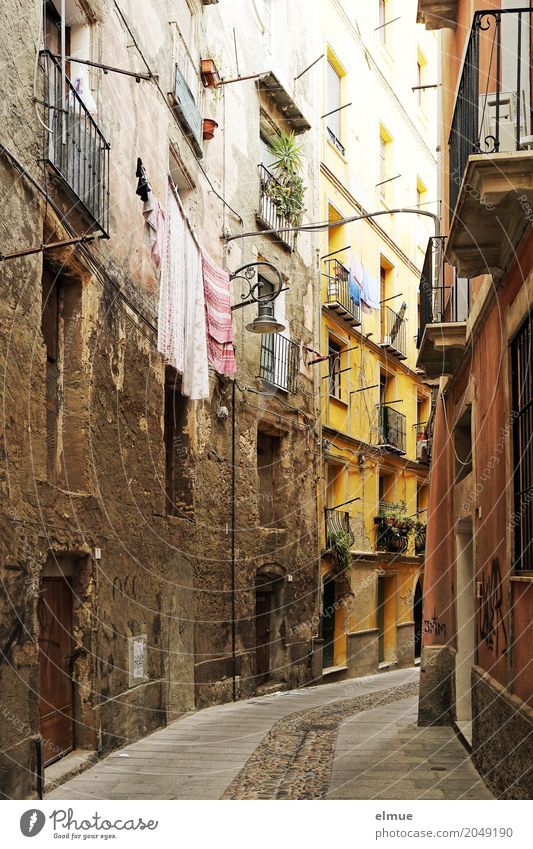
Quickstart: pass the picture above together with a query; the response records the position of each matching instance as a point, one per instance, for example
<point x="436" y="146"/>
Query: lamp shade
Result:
<point x="265" y="321"/>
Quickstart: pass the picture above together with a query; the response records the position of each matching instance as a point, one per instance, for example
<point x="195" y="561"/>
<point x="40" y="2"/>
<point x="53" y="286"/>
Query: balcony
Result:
<point x="76" y="149"/>
<point x="280" y="362"/>
<point x="391" y="429"/>
<point x="268" y="215"/>
<point x="337" y="521"/>
<point x="491" y="146"/>
<point x="277" y="92"/>
<point x="443" y="313"/>
<point x="394" y="333"/>
<point x="437" y="14"/>
<point x="339" y="293"/>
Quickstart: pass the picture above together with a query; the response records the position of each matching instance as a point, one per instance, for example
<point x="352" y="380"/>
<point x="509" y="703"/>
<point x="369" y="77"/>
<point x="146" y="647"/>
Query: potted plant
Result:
<point x="287" y="189"/>
<point x="209" y="73"/>
<point x="339" y="542"/>
<point x="209" y="127"/>
<point x="394" y="527"/>
<point x="420" y="537"/>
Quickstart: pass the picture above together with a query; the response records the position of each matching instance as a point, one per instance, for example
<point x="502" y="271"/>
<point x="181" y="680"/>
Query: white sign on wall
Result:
<point x="137" y="659"/>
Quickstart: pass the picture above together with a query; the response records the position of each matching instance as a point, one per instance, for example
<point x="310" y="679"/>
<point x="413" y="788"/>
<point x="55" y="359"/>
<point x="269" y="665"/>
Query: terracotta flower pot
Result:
<point x="209" y="127"/>
<point x="209" y="72"/>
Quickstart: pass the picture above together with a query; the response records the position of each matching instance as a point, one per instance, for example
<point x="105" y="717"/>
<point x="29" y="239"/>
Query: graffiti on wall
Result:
<point x="433" y="626"/>
<point x="492" y="623"/>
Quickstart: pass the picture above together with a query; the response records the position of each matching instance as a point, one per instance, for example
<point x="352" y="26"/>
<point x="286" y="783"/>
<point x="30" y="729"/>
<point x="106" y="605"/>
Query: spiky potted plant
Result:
<point x="286" y="189"/>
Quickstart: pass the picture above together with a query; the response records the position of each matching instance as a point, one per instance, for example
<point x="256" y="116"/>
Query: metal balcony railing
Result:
<point x="340" y="291"/>
<point x="76" y="148"/>
<point x="394" y="332"/>
<point x="493" y="105"/>
<point x="268" y="213"/>
<point x="391" y="428"/>
<point x="280" y="362"/>
<point x="337" y="520"/>
<point x="439" y="303"/>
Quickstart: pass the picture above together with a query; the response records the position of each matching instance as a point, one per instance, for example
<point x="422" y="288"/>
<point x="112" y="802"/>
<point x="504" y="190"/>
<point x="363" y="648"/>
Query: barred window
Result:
<point x="522" y="377"/>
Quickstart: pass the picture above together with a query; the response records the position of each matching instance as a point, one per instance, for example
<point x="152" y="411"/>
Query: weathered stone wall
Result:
<point x="166" y="577"/>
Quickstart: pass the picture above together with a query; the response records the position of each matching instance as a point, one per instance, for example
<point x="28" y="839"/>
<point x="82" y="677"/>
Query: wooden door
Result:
<point x="55" y="673"/>
<point x="262" y="634"/>
<point x="381" y="620"/>
<point x="328" y="624"/>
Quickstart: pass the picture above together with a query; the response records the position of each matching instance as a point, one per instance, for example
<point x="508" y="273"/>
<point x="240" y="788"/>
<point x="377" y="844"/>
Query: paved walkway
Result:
<point x="383" y="754"/>
<point x="204" y="755"/>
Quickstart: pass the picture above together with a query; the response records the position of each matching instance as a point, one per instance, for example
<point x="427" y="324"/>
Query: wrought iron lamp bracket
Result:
<point x="248" y="273"/>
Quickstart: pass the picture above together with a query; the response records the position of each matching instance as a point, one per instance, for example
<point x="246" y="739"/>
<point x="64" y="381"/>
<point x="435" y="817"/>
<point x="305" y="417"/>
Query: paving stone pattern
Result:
<point x="294" y="760"/>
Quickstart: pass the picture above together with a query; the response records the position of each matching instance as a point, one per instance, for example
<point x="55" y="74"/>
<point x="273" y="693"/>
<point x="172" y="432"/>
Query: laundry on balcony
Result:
<point x="181" y="336"/>
<point x="216" y="282"/>
<point x="370" y="291"/>
<point x="153" y="214"/>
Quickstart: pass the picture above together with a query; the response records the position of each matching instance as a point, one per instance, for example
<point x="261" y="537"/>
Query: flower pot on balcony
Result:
<point x="209" y="127"/>
<point x="209" y="72"/>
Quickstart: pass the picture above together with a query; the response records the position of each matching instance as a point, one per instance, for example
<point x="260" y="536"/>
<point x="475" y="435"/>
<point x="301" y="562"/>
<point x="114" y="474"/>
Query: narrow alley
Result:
<point x="352" y="740"/>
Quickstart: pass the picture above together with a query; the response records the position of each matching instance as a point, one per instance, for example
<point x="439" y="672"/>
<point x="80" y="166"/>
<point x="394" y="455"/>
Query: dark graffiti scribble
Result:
<point x="492" y="623"/>
<point x="433" y="626"/>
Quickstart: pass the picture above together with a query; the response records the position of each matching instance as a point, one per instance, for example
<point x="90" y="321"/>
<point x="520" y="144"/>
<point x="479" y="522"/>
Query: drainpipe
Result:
<point x="233" y="513"/>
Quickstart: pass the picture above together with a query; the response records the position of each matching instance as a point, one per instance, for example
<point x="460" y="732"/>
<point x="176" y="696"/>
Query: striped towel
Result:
<point x="218" y="317"/>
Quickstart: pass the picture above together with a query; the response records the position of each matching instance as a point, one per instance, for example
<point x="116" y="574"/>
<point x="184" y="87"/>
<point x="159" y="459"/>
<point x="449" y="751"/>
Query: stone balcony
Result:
<point x="494" y="208"/>
<point x="437" y="15"/>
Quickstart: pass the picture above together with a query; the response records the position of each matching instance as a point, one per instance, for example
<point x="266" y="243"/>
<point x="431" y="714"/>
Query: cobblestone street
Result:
<point x="350" y="740"/>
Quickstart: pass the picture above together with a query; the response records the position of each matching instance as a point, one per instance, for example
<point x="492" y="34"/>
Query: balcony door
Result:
<point x="328" y="623"/>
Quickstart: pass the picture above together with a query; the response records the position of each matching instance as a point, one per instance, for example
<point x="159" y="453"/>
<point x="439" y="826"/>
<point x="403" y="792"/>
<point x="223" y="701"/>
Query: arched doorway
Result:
<point x="417" y="619"/>
<point x="270" y="647"/>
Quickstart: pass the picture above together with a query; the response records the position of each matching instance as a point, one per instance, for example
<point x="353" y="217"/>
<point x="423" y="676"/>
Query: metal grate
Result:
<point x="522" y="372"/>
<point x="280" y="362"/>
<point x="77" y="150"/>
<point x="337" y="520"/>
<point x="492" y="109"/>
<point x="340" y="289"/>
<point x="391" y="428"/>
<point x="394" y="331"/>
<point x="268" y="213"/>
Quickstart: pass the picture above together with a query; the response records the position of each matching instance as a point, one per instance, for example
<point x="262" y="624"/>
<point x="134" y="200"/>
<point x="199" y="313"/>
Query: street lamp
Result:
<point x="265" y="320"/>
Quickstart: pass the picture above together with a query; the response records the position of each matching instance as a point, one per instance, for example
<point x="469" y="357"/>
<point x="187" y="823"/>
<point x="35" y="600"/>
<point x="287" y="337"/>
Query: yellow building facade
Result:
<point x="377" y="154"/>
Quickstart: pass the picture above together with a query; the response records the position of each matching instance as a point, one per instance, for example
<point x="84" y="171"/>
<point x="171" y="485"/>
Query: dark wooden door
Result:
<point x="417" y="616"/>
<point x="55" y="662"/>
<point x="328" y="624"/>
<point x="381" y="620"/>
<point x="262" y="634"/>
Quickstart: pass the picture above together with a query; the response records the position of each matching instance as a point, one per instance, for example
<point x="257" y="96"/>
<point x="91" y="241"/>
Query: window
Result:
<point x="462" y="435"/>
<point x="333" y="104"/>
<point x="385" y="165"/>
<point x="65" y="392"/>
<point x="269" y="502"/>
<point x="460" y="299"/>
<point x="383" y="21"/>
<point x="522" y="396"/>
<point x="334" y="364"/>
<point x="178" y="467"/>
<point x="421" y="65"/>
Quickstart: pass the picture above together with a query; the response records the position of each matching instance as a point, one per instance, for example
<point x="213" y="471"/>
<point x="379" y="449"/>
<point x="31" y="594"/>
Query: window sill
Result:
<point x="527" y="578"/>
<point x="337" y="151"/>
<point x="340" y="401"/>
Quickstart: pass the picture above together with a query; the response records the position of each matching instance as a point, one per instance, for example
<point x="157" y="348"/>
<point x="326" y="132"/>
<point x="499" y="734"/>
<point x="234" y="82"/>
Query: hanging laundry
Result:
<point x="356" y="267"/>
<point x="195" y="372"/>
<point x="155" y="226"/>
<point x="218" y="317"/>
<point x="353" y="288"/>
<point x="171" y="320"/>
<point x="143" y="186"/>
<point x="370" y="291"/>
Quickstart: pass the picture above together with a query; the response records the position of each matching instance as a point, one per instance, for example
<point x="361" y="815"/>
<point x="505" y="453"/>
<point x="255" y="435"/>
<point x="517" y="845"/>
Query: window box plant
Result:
<point x="286" y="188"/>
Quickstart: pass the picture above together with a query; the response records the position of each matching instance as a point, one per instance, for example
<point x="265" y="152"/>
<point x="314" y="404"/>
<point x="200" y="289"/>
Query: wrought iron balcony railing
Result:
<point x="280" y="362"/>
<point x="340" y="292"/>
<point x="76" y="148"/>
<point x="441" y="304"/>
<point x="493" y="105"/>
<point x="394" y="332"/>
<point x="391" y="429"/>
<point x="336" y="521"/>
<point x="268" y="213"/>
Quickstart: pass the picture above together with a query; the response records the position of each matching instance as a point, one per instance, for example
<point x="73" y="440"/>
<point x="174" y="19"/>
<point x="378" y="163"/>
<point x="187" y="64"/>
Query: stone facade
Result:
<point x="84" y="468"/>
